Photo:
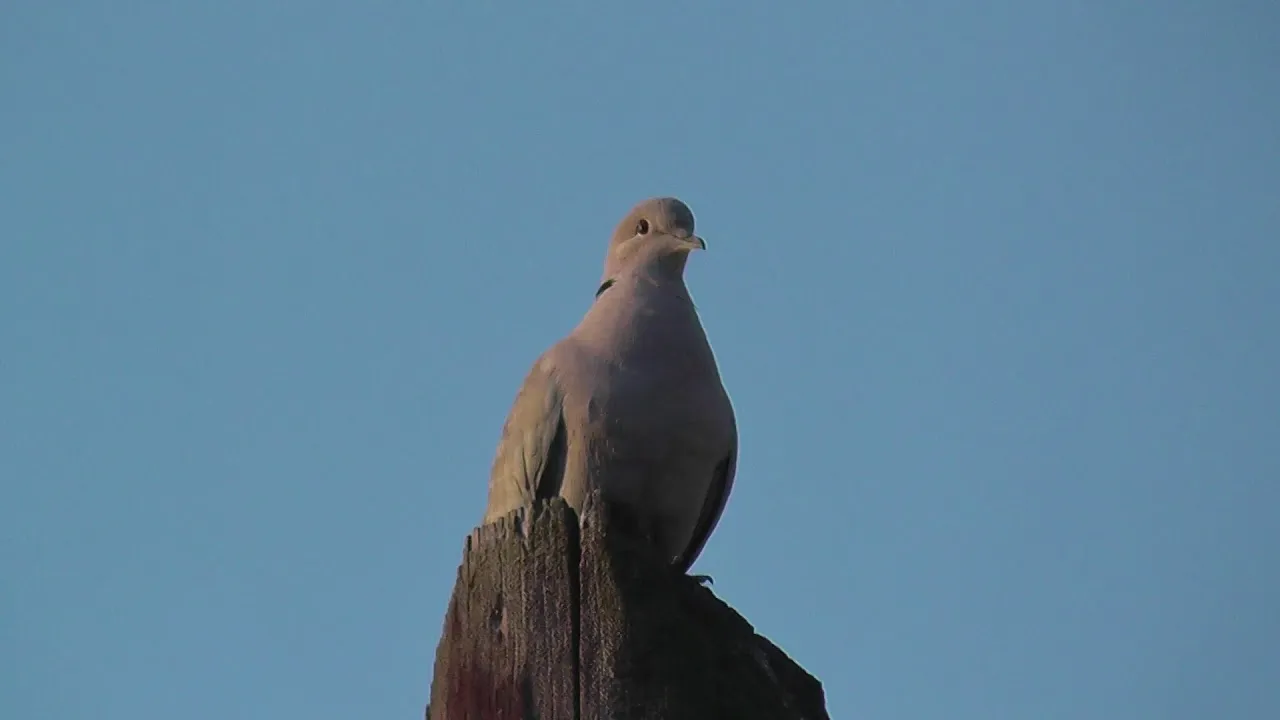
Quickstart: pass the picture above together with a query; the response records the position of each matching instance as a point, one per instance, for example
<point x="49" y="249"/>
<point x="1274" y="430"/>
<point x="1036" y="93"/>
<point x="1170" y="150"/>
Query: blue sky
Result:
<point x="993" y="287"/>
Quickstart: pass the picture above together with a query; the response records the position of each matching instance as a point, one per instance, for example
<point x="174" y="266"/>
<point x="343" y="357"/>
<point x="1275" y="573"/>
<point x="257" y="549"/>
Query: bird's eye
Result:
<point x="642" y="227"/>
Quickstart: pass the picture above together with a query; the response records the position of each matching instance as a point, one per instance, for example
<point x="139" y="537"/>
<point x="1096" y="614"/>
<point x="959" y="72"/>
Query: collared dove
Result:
<point x="630" y="402"/>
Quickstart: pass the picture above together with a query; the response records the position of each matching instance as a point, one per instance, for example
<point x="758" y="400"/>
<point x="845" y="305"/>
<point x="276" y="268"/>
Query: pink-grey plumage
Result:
<point x="630" y="402"/>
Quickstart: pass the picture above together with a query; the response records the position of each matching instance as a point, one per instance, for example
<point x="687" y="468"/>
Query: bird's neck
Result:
<point x="638" y="307"/>
<point x="645" y="287"/>
<point x="663" y="269"/>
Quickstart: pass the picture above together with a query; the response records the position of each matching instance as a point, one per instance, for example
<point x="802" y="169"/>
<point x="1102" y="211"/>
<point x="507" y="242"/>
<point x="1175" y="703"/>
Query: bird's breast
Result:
<point x="654" y="397"/>
<point x="653" y="418"/>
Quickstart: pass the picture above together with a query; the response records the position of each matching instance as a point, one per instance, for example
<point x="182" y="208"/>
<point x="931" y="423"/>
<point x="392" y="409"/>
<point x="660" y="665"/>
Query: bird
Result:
<point x="630" y="403"/>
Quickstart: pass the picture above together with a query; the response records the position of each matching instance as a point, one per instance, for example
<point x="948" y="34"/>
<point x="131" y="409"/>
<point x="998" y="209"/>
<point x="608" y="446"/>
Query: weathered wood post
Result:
<point x="557" y="621"/>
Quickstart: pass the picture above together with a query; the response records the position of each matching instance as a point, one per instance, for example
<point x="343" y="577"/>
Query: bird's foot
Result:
<point x="702" y="579"/>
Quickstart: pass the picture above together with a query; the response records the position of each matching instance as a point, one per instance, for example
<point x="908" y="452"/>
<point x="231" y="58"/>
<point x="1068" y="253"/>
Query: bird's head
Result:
<point x="656" y="237"/>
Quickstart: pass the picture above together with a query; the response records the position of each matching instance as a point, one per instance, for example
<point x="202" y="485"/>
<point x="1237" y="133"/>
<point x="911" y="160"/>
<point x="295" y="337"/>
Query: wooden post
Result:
<point x="556" y="621"/>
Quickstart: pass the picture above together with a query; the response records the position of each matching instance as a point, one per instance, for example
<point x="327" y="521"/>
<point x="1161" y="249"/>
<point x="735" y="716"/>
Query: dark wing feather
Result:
<point x="713" y="506"/>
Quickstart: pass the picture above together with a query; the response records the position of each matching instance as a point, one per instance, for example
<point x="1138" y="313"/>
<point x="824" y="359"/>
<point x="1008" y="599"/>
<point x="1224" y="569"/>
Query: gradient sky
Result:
<point x="993" y="287"/>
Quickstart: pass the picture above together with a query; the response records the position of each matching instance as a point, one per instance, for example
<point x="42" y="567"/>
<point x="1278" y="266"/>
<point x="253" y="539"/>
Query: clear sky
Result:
<point x="993" y="286"/>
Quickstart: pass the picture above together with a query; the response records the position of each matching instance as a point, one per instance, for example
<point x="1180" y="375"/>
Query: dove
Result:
<point x="630" y="403"/>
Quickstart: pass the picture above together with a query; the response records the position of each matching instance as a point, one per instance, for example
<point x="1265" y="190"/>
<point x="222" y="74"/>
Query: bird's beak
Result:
<point x="693" y="242"/>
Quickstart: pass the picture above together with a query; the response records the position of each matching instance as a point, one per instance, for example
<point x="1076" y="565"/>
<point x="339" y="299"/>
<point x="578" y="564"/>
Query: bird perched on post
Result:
<point x="630" y="402"/>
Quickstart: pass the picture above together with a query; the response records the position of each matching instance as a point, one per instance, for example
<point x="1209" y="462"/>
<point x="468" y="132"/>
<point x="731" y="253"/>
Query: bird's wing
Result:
<point x="529" y="463"/>
<point x="713" y="506"/>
